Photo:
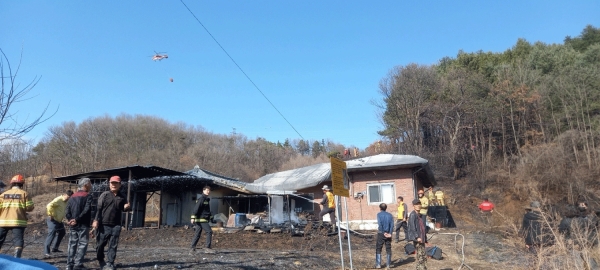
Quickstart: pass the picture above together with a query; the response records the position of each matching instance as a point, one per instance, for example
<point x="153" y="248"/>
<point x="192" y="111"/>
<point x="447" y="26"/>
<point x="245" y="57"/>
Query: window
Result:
<point x="381" y="193"/>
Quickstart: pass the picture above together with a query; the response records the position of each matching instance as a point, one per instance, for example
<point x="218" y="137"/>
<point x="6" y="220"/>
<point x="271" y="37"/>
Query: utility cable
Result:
<point x="238" y="66"/>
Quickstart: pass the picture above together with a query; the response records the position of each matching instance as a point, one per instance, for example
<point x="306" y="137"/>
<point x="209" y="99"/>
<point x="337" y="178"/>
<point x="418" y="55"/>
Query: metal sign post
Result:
<point x="341" y="187"/>
<point x="337" y="220"/>
<point x="348" y="232"/>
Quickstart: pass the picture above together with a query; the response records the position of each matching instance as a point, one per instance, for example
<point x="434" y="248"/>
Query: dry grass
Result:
<point x="579" y="251"/>
<point x="39" y="212"/>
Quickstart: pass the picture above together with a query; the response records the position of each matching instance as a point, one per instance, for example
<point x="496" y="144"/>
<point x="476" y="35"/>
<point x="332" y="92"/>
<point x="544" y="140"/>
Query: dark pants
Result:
<point x="17" y="232"/>
<point x="486" y="217"/>
<point x="424" y="218"/>
<point x="400" y="224"/>
<point x="56" y="230"/>
<point x="382" y="240"/>
<point x="198" y="228"/>
<point x="421" y="256"/>
<point x="330" y="211"/>
<point x="108" y="235"/>
<point x="78" y="243"/>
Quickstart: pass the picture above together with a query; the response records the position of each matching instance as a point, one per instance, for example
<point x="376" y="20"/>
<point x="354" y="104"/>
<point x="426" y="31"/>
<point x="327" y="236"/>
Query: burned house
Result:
<point x="372" y="180"/>
<point x="173" y="192"/>
<point x="280" y="196"/>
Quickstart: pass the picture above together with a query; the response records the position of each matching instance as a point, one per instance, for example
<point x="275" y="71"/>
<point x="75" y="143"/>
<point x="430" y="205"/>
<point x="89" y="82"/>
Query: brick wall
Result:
<point x="360" y="209"/>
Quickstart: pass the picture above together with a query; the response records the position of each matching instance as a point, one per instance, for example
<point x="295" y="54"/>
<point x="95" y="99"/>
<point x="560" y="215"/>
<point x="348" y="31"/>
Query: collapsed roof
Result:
<point x="154" y="178"/>
<point x="218" y="179"/>
<point x="310" y="176"/>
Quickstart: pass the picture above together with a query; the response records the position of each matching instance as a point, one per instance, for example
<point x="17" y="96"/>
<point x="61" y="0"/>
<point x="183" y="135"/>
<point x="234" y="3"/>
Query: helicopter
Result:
<point x="159" y="56"/>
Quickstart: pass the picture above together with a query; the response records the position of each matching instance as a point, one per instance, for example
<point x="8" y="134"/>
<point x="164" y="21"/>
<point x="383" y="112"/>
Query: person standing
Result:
<point x="401" y="218"/>
<point x="486" y="208"/>
<point x="201" y="215"/>
<point x="111" y="205"/>
<point x="385" y="222"/>
<point x="328" y="203"/>
<point x="439" y="197"/>
<point x="431" y="196"/>
<point x="417" y="234"/>
<point x="579" y="226"/>
<point x="56" y="229"/>
<point x="79" y="216"/>
<point x="424" y="206"/>
<point x="14" y="203"/>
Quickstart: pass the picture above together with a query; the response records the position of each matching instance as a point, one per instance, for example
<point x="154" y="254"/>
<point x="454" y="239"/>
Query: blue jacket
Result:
<point x="385" y="221"/>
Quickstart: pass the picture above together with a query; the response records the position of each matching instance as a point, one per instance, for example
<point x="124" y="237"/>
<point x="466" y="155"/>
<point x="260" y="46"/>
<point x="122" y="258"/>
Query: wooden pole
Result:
<point x="128" y="196"/>
<point x="160" y="207"/>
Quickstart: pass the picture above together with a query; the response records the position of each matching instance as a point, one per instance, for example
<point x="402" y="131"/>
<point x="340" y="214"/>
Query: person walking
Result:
<point x="385" y="222"/>
<point x="417" y="234"/>
<point x="486" y="208"/>
<point x="111" y="205"/>
<point x="201" y="215"/>
<point x="328" y="203"/>
<point x="424" y="206"/>
<point x="531" y="228"/>
<point x="401" y="218"/>
<point x="14" y="204"/>
<point x="56" y="228"/>
<point x="79" y="217"/>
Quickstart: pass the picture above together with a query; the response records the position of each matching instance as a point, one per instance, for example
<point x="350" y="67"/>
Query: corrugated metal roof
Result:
<point x="218" y="179"/>
<point x="151" y="178"/>
<point x="137" y="171"/>
<point x="385" y="161"/>
<point x="306" y="177"/>
<point x="292" y="180"/>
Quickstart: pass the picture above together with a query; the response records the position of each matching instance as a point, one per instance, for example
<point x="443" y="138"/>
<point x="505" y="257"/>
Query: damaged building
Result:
<point x="279" y="196"/>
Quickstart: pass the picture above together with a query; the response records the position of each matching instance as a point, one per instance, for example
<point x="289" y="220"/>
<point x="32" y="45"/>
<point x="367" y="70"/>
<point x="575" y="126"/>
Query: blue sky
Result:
<point x="318" y="62"/>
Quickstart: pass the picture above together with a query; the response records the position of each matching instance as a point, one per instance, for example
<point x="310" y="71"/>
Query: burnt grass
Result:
<point x="168" y="248"/>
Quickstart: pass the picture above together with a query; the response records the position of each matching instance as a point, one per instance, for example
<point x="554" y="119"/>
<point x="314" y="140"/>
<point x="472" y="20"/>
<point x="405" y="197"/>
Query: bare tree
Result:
<point x="11" y="127"/>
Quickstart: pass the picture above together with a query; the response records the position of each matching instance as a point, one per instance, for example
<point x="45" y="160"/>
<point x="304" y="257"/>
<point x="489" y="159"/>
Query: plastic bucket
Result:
<point x="240" y="219"/>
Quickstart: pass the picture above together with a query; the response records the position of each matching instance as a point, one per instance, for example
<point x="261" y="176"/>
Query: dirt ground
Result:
<point x="167" y="248"/>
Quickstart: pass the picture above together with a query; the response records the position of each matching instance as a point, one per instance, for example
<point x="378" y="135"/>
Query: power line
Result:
<point x="238" y="66"/>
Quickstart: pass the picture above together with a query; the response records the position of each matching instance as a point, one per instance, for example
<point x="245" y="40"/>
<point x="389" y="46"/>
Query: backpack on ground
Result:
<point x="409" y="248"/>
<point x="434" y="252"/>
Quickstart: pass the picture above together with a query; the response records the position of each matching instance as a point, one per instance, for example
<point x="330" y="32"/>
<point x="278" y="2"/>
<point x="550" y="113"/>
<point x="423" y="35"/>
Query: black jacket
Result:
<point x="533" y="229"/>
<point x="415" y="229"/>
<point x="110" y="208"/>
<point x="201" y="210"/>
<point x="79" y="207"/>
<point x="582" y="229"/>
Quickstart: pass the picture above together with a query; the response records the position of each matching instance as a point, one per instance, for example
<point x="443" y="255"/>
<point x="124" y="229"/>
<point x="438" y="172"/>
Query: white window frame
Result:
<point x="381" y="200"/>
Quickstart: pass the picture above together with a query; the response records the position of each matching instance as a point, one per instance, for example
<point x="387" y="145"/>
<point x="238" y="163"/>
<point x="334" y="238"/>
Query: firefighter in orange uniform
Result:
<point x="14" y="203"/>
